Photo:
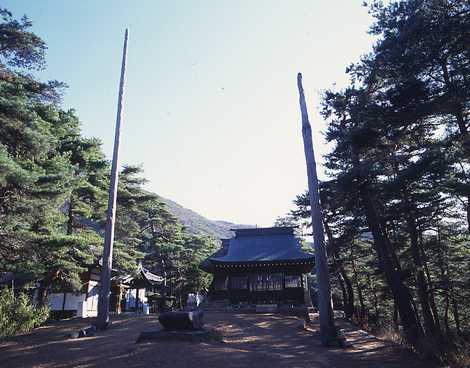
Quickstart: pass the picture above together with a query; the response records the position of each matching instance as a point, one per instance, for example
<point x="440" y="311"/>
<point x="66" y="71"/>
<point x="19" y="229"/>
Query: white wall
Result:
<point x="56" y="301"/>
<point x="130" y="298"/>
<point x="92" y="300"/>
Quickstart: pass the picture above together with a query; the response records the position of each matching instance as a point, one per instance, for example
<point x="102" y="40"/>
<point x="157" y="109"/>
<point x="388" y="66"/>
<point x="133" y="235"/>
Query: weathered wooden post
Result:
<point x="328" y="332"/>
<point x="105" y="278"/>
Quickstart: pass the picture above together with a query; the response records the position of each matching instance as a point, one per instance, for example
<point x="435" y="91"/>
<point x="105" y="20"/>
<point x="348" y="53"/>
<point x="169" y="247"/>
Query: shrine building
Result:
<point x="260" y="266"/>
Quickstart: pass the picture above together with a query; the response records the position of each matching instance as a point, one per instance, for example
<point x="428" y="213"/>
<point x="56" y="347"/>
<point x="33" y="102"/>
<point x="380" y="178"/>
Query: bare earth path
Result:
<point x="251" y="340"/>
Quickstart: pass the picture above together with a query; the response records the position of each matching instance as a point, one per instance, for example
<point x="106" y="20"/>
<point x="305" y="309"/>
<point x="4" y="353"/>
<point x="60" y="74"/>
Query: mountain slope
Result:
<point x="198" y="224"/>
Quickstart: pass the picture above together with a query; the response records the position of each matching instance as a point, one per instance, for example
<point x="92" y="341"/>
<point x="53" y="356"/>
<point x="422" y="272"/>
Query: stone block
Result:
<point x="182" y="320"/>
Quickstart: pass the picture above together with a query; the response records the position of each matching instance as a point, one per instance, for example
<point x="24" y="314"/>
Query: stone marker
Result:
<point x="182" y="320"/>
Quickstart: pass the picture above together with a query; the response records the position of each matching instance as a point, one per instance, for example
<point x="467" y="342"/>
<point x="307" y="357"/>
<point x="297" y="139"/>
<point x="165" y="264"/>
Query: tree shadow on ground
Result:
<point x="256" y="340"/>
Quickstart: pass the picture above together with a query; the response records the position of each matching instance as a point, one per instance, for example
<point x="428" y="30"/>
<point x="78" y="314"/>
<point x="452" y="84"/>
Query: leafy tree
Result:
<point x="18" y="315"/>
<point x="18" y="46"/>
<point x="398" y="174"/>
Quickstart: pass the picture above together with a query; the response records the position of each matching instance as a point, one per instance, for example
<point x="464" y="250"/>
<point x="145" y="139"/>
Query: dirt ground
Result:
<point x="250" y="340"/>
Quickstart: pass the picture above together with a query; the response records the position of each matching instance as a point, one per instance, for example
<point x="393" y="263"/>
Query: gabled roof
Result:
<point x="150" y="277"/>
<point x="261" y="245"/>
<point x="143" y="275"/>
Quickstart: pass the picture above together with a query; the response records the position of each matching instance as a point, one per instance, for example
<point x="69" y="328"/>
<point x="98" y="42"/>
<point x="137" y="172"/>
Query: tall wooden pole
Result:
<point x="328" y="332"/>
<point x="105" y="279"/>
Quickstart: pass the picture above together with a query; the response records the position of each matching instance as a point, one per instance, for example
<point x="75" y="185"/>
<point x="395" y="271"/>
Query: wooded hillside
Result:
<point x="197" y="224"/>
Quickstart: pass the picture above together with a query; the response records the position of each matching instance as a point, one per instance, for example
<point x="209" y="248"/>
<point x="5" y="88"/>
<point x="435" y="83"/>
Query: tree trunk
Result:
<point x="70" y="219"/>
<point x="458" y="112"/>
<point x="444" y="280"/>
<point x="455" y="312"/>
<point x="429" y="323"/>
<point x="446" y="314"/>
<point x="401" y="293"/>
<point x="395" y="318"/>
<point x="343" y="291"/>
<point x="346" y="286"/>
<point x="137" y="300"/>
<point x="388" y="260"/>
<point x="349" y="307"/>
<point x="102" y="319"/>
<point x="468" y="213"/>
<point x="64" y="301"/>
<point x="328" y="332"/>
<point x="44" y="286"/>
<point x="359" y="315"/>
<point x="432" y="300"/>
<point x="421" y="283"/>
<point x="376" y="300"/>
<point x="457" y="106"/>
<point x="307" y="298"/>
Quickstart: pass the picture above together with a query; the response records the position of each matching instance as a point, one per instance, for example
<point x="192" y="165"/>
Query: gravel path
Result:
<point x="251" y="340"/>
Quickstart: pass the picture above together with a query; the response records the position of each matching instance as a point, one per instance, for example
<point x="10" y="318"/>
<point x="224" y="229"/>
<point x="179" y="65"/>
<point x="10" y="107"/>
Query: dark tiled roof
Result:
<point x="260" y="231"/>
<point x="259" y="246"/>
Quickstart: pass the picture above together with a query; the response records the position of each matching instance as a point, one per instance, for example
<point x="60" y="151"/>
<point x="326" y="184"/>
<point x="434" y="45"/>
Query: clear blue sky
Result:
<point x="211" y="108"/>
